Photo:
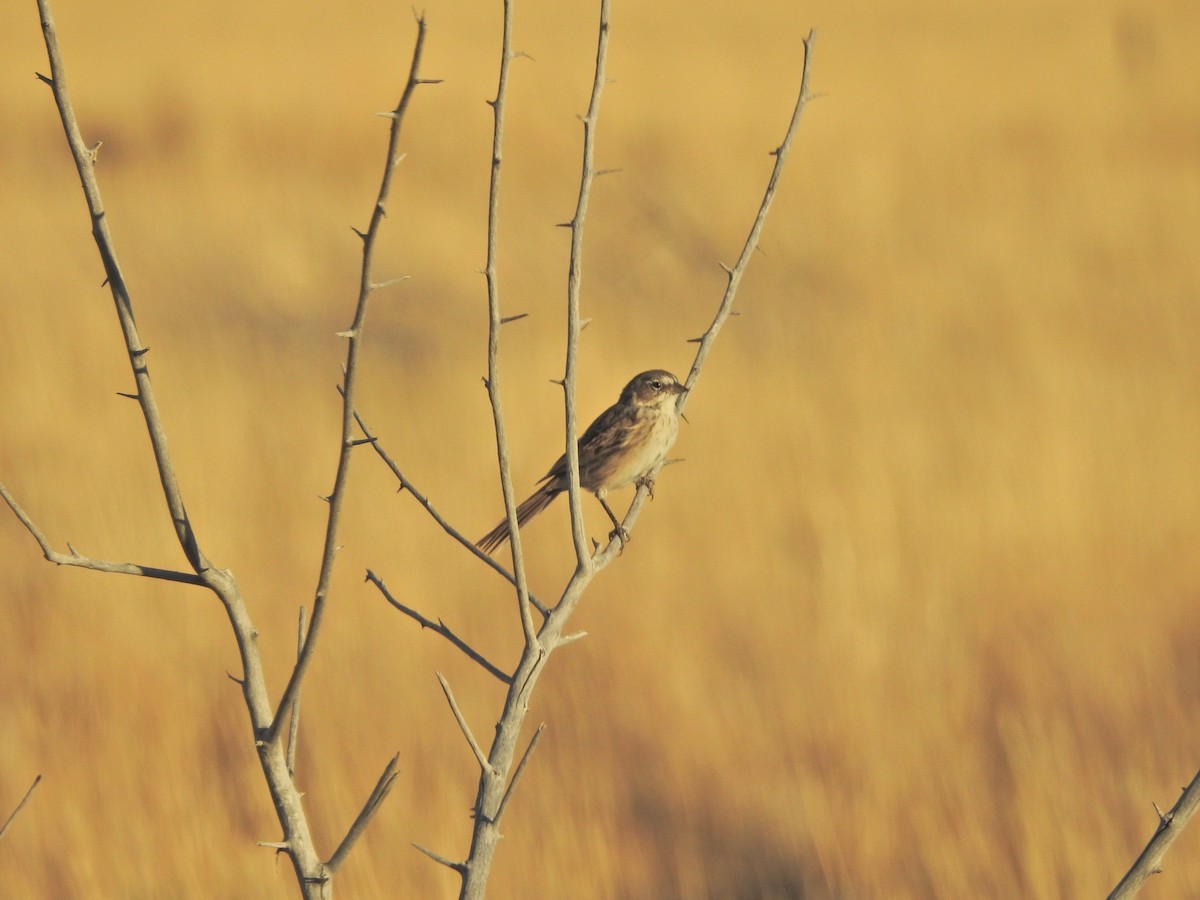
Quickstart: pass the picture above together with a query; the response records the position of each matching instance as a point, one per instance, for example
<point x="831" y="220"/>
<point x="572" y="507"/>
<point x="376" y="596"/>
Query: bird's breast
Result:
<point x="653" y="433"/>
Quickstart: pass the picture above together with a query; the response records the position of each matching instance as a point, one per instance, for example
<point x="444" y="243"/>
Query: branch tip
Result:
<point x="438" y="858"/>
<point x="484" y="765"/>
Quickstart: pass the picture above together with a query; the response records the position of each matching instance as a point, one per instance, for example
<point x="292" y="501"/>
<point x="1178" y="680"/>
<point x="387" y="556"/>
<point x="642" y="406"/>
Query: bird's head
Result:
<point x="654" y="388"/>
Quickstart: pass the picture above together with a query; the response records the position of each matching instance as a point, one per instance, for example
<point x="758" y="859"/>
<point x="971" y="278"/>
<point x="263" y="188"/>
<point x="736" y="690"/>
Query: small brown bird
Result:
<point x="621" y="447"/>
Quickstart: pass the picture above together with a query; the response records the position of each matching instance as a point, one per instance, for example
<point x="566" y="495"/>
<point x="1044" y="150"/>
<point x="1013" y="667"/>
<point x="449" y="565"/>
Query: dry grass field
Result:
<point x="917" y="617"/>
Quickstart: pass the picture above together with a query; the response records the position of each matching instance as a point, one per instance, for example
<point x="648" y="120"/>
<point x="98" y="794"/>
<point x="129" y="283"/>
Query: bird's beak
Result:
<point x="678" y="388"/>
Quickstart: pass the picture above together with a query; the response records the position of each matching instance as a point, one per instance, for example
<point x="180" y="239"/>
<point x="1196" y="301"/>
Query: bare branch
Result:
<point x="382" y="788"/>
<point x="574" y="274"/>
<point x="438" y="858"/>
<point x="84" y="562"/>
<point x="20" y="806"/>
<point x="1170" y="824"/>
<point x="294" y="726"/>
<point x="349" y="382"/>
<point x="441" y="628"/>
<point x="462" y="724"/>
<point x="734" y="274"/>
<point x="517" y="774"/>
<point x="495" y="321"/>
<point x="85" y="161"/>
<point x="408" y="486"/>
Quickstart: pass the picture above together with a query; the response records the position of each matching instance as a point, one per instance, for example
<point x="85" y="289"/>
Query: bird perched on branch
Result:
<point x="620" y="448"/>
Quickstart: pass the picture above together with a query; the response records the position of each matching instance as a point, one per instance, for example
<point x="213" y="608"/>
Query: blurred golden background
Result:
<point x="916" y="617"/>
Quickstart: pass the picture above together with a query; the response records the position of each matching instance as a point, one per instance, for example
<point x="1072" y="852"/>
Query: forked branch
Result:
<point x="85" y="164"/>
<point x="73" y="558"/>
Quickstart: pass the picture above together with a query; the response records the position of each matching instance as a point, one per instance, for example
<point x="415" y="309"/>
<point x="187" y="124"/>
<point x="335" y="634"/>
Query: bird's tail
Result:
<point x="526" y="511"/>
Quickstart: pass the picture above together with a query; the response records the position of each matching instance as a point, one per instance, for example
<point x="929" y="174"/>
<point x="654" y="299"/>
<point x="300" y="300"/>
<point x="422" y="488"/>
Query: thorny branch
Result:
<point x="353" y="336"/>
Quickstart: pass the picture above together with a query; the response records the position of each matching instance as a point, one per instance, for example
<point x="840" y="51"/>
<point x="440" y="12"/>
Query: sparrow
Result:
<point x="625" y="443"/>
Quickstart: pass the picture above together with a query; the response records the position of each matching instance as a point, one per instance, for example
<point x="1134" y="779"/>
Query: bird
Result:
<point x="625" y="443"/>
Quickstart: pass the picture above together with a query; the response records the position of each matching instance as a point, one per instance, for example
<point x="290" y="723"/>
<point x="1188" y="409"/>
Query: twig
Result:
<point x="574" y="274"/>
<point x="85" y="162"/>
<point x="494" y="323"/>
<point x="517" y="774"/>
<point x="20" y="806"/>
<point x="441" y="628"/>
<point x="349" y="382"/>
<point x="438" y="858"/>
<point x="382" y="788"/>
<point x="462" y="724"/>
<point x="294" y="727"/>
<point x="411" y="488"/>
<point x="734" y="277"/>
<point x="1170" y="824"/>
<point x="73" y="558"/>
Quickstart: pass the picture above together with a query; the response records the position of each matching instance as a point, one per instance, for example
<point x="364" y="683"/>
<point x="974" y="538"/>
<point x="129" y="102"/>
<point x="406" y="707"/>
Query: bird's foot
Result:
<point x="648" y="484"/>
<point x="619" y="534"/>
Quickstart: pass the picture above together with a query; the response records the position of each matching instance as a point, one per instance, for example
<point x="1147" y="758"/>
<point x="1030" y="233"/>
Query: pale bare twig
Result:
<point x="294" y="727"/>
<point x="462" y="724"/>
<point x="1170" y="825"/>
<point x="517" y="774"/>
<point x="574" y="274"/>
<point x="438" y="858"/>
<point x="73" y="558"/>
<point x="382" y="788"/>
<point x="19" y="807"/>
<point x="85" y="162"/>
<point x="349" y="383"/>
<point x="495" y="321"/>
<point x="441" y="628"/>
<point x="734" y="277"/>
<point x="416" y="494"/>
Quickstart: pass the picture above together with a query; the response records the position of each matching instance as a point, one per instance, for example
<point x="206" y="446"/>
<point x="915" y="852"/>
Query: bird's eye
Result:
<point x="656" y="384"/>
